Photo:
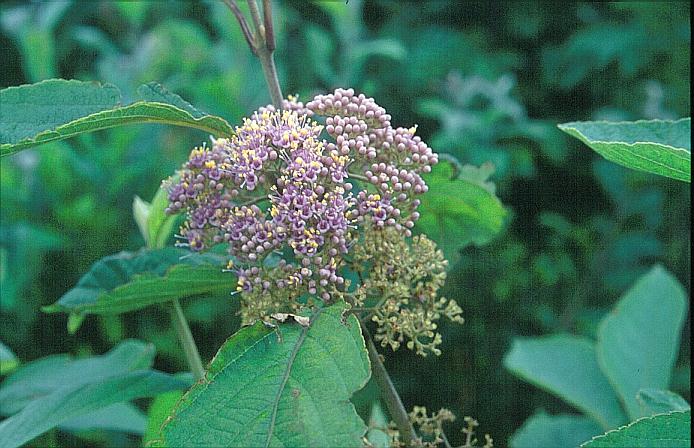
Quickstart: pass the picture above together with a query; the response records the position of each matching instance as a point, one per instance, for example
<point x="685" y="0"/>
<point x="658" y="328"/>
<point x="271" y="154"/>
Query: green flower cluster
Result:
<point x="430" y="428"/>
<point x="404" y="278"/>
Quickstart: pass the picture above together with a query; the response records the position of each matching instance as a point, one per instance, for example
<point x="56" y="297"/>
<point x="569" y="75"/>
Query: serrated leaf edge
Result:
<point x="628" y="425"/>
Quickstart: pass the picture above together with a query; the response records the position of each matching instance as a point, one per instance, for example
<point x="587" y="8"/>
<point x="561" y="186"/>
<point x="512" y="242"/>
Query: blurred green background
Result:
<point x="484" y="81"/>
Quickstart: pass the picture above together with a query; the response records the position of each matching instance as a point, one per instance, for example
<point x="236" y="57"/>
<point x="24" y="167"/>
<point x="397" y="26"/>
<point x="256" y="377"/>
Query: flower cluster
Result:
<point x="430" y="427"/>
<point x="291" y="198"/>
<point x="404" y="279"/>
<point x="385" y="159"/>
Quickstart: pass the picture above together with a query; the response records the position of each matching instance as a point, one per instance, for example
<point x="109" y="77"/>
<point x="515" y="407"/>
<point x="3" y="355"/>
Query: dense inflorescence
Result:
<point x="404" y="279"/>
<point x="291" y="198"/>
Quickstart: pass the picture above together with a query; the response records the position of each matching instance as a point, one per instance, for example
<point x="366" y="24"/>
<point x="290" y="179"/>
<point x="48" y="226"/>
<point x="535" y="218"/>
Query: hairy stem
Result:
<point x="388" y="393"/>
<point x="186" y="338"/>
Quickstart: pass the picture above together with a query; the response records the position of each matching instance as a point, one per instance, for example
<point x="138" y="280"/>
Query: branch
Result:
<point x="271" y="79"/>
<point x="388" y="392"/>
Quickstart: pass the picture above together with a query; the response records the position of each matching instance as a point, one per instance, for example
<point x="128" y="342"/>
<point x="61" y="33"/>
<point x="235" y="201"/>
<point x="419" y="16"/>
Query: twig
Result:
<point x="358" y="177"/>
<point x="261" y="43"/>
<point x="245" y="29"/>
<point x="255" y="16"/>
<point x="254" y="201"/>
<point x="269" y="31"/>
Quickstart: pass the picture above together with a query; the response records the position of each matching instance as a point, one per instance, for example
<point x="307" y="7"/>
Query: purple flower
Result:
<point x="278" y="186"/>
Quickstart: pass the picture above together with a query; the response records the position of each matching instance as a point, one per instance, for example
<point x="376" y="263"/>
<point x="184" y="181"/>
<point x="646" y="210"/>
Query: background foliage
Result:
<point x="485" y="83"/>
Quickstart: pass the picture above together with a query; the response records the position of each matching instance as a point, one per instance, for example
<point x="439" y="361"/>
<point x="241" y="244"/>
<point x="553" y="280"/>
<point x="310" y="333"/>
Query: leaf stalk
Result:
<point x="186" y="339"/>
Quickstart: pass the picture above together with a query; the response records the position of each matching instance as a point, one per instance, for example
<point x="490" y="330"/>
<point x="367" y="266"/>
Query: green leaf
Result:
<point x="159" y="410"/>
<point x="66" y="403"/>
<point x="121" y="417"/>
<point x="638" y="341"/>
<point x="285" y="387"/>
<point x="33" y="30"/>
<point x="57" y="109"/>
<point x="556" y="431"/>
<point x="32" y="109"/>
<point x="479" y="175"/>
<point x="44" y="376"/>
<point x="129" y="281"/>
<point x="672" y="430"/>
<point x="460" y="207"/>
<point x="78" y="394"/>
<point x="567" y="367"/>
<point x="657" y="401"/>
<point x="656" y="146"/>
<point x="8" y="360"/>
